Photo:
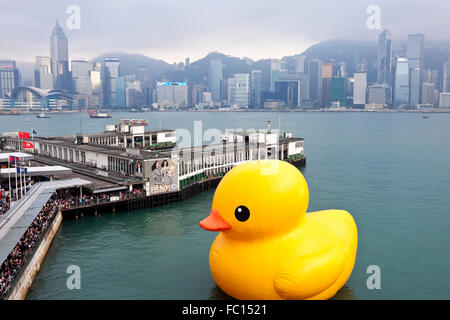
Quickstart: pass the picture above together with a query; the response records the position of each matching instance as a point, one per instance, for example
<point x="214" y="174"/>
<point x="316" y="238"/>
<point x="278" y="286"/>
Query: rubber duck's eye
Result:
<point x="242" y="213"/>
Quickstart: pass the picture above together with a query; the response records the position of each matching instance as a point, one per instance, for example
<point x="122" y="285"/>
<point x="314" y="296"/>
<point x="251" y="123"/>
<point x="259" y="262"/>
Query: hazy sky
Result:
<point x="174" y="29"/>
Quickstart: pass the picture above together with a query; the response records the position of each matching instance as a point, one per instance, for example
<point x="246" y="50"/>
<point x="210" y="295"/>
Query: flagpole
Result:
<point x="9" y="178"/>
<point x="17" y="192"/>
<point x="20" y="178"/>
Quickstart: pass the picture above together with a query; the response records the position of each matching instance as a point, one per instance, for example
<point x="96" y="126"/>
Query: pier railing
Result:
<point x="99" y="201"/>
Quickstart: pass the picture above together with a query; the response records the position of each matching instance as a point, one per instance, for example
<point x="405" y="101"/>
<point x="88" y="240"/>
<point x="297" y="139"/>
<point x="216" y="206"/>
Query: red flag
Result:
<point x="24" y="135"/>
<point x="13" y="159"/>
<point x="27" y="145"/>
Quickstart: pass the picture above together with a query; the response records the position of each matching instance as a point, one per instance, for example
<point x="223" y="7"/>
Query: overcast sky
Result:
<point x="172" y="30"/>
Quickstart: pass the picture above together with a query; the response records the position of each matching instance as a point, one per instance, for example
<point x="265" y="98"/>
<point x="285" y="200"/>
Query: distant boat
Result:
<point x="425" y="117"/>
<point x="42" y="116"/>
<point x="94" y="114"/>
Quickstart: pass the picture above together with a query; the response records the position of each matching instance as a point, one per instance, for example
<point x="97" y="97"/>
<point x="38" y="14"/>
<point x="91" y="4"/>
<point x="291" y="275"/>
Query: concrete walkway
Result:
<point x="22" y="213"/>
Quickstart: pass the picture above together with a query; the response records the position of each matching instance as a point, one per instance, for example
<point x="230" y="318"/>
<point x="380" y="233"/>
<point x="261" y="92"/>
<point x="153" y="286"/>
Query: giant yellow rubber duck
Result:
<point x="268" y="246"/>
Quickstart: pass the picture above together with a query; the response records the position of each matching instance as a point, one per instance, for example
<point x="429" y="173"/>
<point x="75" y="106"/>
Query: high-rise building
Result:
<point x="42" y="76"/>
<point x="327" y="75"/>
<point x="401" y="92"/>
<point x="304" y="90"/>
<point x="315" y="82"/>
<point x="414" y="90"/>
<point x="215" y="79"/>
<point x="376" y="96"/>
<point x="81" y="80"/>
<point x="446" y="77"/>
<point x="278" y="68"/>
<point x="359" y="88"/>
<point x="430" y="94"/>
<point x="59" y="58"/>
<point x="384" y="64"/>
<point x="95" y="99"/>
<point x="444" y="100"/>
<point x="341" y="70"/>
<point x="9" y="77"/>
<point x="129" y="92"/>
<point x="256" y="88"/>
<point x="338" y="90"/>
<point x="300" y="64"/>
<point x="110" y="75"/>
<point x="288" y="90"/>
<point x="415" y="52"/>
<point x="416" y="47"/>
<point x="81" y="76"/>
<point x="431" y="76"/>
<point x="172" y="94"/>
<point x="239" y="90"/>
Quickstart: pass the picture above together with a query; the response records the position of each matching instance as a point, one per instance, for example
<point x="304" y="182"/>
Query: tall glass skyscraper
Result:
<point x="42" y="76"/>
<point x="215" y="79"/>
<point x="256" y="88"/>
<point x="416" y="47"/>
<point x="239" y="90"/>
<point x="59" y="58"/>
<point x="315" y="82"/>
<point x="385" y="65"/>
<point x="401" y="94"/>
<point x="110" y="75"/>
<point x="9" y="77"/>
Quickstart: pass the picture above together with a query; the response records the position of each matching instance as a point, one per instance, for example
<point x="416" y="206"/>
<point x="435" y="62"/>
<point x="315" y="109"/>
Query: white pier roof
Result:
<point x="4" y="156"/>
<point x="37" y="171"/>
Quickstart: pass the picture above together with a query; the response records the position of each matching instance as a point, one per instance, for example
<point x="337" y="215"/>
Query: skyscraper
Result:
<point x="96" y="97"/>
<point x="59" y="58"/>
<point x="360" y="88"/>
<point x="338" y="90"/>
<point x="239" y="90"/>
<point x="446" y="77"/>
<point x="9" y="77"/>
<point x="385" y="66"/>
<point x="416" y="46"/>
<point x="278" y="68"/>
<point x="401" y="92"/>
<point x="42" y="76"/>
<point x="315" y="82"/>
<point x="110" y="75"/>
<point x="415" y="51"/>
<point x="215" y="79"/>
<point x="81" y="76"/>
<point x="300" y="64"/>
<point x="327" y="75"/>
<point x="256" y="88"/>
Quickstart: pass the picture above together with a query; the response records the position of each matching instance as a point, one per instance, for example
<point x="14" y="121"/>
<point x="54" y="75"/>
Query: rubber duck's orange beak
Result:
<point x="214" y="222"/>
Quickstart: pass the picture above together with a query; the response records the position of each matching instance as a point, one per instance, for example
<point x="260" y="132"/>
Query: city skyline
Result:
<point x="186" y="32"/>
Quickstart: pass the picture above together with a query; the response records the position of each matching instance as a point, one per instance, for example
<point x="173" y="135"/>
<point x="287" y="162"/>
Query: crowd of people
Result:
<point x="64" y="198"/>
<point x="4" y="206"/>
<point x="13" y="263"/>
<point x="71" y="198"/>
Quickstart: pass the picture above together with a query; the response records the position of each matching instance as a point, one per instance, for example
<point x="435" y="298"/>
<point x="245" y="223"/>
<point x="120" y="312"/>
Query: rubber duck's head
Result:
<point x="258" y="199"/>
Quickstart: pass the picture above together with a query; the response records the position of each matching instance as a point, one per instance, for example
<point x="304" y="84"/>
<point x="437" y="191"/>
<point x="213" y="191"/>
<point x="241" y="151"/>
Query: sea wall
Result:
<point x="23" y="283"/>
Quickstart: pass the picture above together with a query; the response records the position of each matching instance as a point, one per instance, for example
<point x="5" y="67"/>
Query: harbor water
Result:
<point x="391" y="171"/>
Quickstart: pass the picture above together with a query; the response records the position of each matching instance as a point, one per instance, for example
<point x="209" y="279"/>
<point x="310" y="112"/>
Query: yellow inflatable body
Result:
<point x="268" y="246"/>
